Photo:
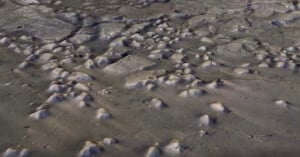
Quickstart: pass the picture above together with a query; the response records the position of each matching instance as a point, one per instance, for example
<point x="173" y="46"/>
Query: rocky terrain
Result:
<point x="152" y="78"/>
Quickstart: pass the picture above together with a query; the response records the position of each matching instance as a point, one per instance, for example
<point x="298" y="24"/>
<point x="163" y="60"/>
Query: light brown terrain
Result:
<point x="149" y="78"/>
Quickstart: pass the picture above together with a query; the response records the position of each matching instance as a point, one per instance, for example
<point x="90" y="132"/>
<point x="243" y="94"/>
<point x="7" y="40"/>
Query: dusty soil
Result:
<point x="153" y="78"/>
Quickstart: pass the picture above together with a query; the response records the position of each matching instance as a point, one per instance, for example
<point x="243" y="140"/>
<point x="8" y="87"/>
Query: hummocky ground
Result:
<point x="152" y="78"/>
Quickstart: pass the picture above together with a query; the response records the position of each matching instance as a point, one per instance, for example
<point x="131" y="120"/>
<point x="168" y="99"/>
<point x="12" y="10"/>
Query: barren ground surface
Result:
<point x="152" y="78"/>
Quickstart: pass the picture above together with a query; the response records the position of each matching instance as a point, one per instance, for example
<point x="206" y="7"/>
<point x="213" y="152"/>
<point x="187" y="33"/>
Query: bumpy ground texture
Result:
<point x="149" y="78"/>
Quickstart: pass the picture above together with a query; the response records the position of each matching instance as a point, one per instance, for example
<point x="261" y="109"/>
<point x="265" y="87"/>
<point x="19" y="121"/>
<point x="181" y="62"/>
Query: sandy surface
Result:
<point x="153" y="78"/>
